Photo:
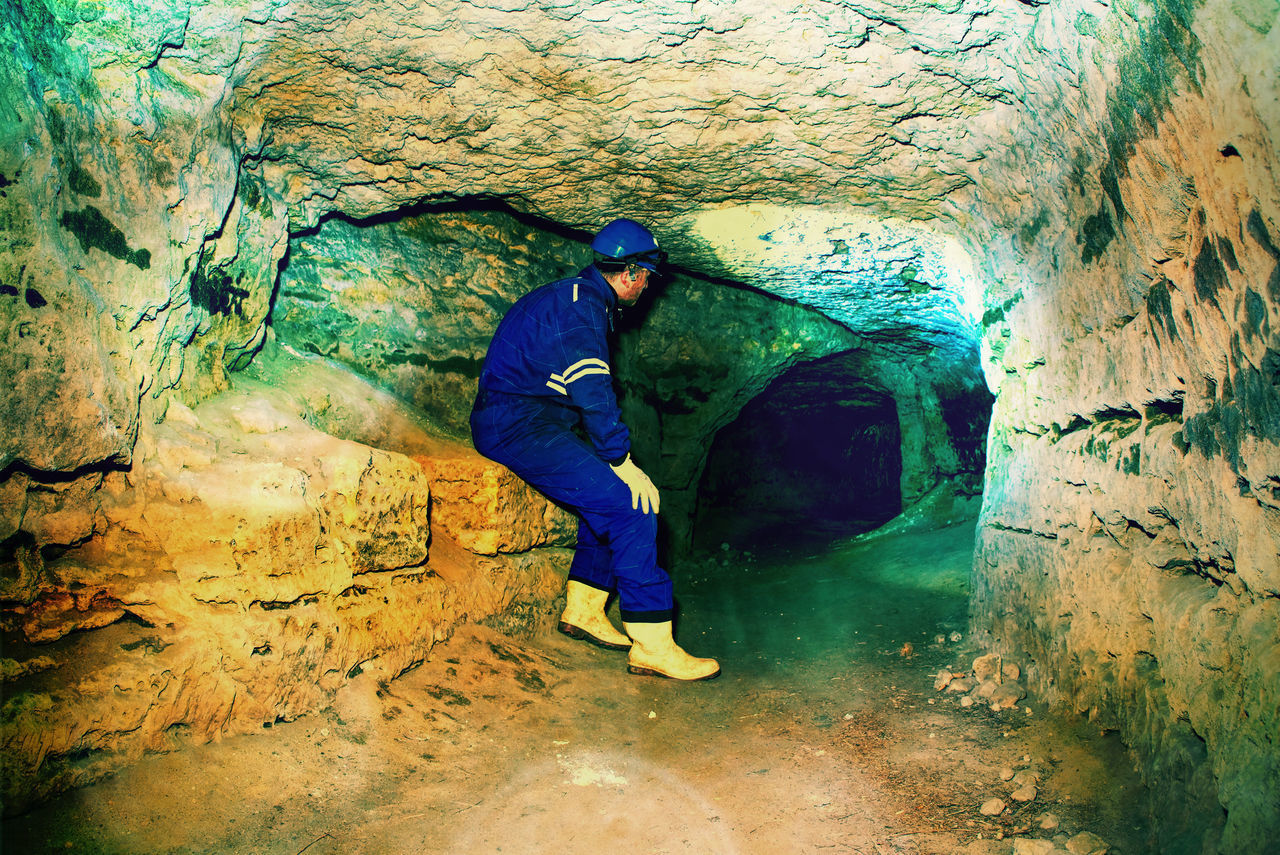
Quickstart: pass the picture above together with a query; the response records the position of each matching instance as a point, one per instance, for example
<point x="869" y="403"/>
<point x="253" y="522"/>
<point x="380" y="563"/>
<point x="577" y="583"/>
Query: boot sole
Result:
<point x="650" y="672"/>
<point x="582" y="635"/>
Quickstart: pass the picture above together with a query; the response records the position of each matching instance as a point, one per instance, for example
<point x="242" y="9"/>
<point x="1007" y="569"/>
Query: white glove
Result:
<point x="643" y="494"/>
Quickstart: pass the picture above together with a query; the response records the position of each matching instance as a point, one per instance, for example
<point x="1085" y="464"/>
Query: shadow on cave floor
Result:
<point x="776" y="536"/>
<point x="824" y="734"/>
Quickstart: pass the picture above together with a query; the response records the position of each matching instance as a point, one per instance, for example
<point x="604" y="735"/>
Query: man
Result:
<point x="547" y="372"/>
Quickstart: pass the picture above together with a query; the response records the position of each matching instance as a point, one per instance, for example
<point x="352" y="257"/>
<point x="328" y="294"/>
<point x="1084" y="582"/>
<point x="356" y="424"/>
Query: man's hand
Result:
<point x="643" y="494"/>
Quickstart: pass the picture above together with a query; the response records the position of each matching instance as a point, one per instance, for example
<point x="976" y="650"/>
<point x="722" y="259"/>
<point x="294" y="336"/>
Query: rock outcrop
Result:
<point x="246" y="565"/>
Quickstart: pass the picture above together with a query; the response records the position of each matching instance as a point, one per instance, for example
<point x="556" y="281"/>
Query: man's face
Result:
<point x="631" y="285"/>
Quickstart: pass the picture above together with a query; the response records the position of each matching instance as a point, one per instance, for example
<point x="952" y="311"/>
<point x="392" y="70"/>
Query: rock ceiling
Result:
<point x="851" y="155"/>
<point x="805" y="147"/>
<point x="904" y="168"/>
<point x="653" y="109"/>
<point x="765" y="141"/>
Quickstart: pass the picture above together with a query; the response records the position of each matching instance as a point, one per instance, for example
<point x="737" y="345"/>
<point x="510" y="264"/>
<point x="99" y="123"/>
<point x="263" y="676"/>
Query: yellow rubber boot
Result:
<point x="585" y="620"/>
<point x="654" y="653"/>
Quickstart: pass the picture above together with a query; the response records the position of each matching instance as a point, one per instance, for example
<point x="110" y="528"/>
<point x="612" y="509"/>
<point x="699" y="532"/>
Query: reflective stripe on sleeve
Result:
<point x="581" y="368"/>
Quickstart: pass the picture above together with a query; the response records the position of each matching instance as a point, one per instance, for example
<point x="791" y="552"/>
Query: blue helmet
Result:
<point x="626" y="242"/>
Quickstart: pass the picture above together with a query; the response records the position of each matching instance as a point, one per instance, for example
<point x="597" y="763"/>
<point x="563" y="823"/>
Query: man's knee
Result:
<point x="628" y="524"/>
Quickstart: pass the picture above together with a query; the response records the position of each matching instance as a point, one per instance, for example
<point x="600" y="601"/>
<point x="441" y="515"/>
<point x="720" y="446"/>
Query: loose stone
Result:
<point x="1006" y="696"/>
<point x="1031" y="846"/>
<point x="1025" y="793"/>
<point x="1025" y="777"/>
<point x="992" y="807"/>
<point x="1087" y="843"/>
<point x="987" y="667"/>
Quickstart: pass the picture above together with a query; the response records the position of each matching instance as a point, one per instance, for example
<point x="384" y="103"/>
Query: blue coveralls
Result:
<point x="546" y="371"/>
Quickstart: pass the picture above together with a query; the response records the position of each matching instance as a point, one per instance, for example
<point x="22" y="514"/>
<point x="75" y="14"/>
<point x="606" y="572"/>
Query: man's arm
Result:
<point x="587" y="380"/>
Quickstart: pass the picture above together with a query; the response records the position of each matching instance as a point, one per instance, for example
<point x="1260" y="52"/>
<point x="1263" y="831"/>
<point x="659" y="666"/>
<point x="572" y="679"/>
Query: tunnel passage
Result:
<point x="1114" y="164"/>
<point x="410" y="301"/>
<point x="816" y="455"/>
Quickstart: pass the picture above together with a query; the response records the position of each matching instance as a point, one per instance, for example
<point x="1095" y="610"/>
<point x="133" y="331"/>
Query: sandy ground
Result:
<point x="824" y="734"/>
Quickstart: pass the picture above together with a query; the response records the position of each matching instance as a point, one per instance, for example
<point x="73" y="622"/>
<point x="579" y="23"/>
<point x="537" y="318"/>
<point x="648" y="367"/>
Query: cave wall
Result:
<point x="268" y="538"/>
<point x="412" y="301"/>
<point x="108" y="293"/>
<point x="1130" y="535"/>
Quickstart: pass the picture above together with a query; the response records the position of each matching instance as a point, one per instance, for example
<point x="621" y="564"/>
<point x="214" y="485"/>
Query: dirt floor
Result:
<point x="824" y="734"/>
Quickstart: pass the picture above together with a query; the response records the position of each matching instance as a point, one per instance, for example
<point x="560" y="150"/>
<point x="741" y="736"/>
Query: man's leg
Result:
<point x="547" y="455"/>
<point x="565" y="468"/>
<point x="644" y="588"/>
<point x="592" y="560"/>
<point x="587" y="592"/>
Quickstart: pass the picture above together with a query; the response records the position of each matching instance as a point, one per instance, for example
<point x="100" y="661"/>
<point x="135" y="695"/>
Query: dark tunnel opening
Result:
<point x="813" y="458"/>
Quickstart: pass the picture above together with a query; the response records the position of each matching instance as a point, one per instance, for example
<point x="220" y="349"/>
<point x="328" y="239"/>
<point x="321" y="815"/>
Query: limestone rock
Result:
<point x="63" y="406"/>
<point x="1025" y="793"/>
<point x="992" y="807"/>
<point x="1024" y="778"/>
<point x="57" y="613"/>
<point x="984" y="683"/>
<point x="1127" y="521"/>
<point x="986" y="690"/>
<point x="1006" y="696"/>
<point x="413" y="304"/>
<point x="270" y="503"/>
<point x="1087" y="843"/>
<point x="487" y="509"/>
<point x="988" y="667"/>
<point x="1031" y="846"/>
<point x="261" y="562"/>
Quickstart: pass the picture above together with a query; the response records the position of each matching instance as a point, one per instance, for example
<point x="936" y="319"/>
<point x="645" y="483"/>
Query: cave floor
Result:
<point x="824" y="734"/>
